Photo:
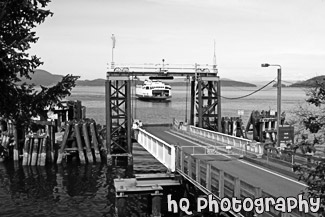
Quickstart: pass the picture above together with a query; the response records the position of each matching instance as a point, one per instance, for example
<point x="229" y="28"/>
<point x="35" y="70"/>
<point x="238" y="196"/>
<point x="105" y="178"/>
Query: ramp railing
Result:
<point x="239" y="143"/>
<point x="161" y="150"/>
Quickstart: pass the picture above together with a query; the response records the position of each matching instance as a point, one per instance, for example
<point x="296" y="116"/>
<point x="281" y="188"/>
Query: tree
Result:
<point x="312" y="118"/>
<point x="20" y="102"/>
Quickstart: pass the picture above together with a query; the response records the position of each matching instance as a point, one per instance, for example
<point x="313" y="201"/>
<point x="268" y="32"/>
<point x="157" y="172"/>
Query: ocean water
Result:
<point x="163" y="112"/>
<point x="88" y="190"/>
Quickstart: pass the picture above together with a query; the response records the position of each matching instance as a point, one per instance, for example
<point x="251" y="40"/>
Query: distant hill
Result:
<point x="276" y="85"/>
<point x="310" y="82"/>
<point x="96" y="82"/>
<point x="42" y="77"/>
<point x="232" y="83"/>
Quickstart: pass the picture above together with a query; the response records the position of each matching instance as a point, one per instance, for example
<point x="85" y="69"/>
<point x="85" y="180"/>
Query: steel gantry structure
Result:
<point x="205" y="109"/>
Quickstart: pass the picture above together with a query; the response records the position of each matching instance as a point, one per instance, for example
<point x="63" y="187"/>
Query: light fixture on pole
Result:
<point x="113" y="46"/>
<point x="278" y="100"/>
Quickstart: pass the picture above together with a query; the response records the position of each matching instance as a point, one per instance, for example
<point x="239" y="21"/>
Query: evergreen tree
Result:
<point x="20" y="102"/>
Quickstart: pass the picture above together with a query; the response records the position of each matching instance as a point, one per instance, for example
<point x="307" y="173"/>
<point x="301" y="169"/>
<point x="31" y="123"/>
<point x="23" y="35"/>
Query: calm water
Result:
<point x="163" y="112"/>
<point x="76" y="190"/>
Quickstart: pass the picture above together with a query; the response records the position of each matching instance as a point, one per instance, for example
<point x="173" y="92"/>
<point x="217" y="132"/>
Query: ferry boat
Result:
<point x="153" y="90"/>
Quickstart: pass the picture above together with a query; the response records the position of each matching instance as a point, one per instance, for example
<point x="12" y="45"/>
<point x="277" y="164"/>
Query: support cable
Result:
<point x="249" y="93"/>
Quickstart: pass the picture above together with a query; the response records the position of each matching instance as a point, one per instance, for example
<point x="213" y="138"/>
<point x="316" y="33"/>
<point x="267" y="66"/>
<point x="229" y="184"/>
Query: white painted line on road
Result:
<point x="194" y="142"/>
<point x="273" y="173"/>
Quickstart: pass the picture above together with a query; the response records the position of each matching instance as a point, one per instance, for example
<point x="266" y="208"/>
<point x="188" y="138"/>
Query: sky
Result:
<point x="291" y="33"/>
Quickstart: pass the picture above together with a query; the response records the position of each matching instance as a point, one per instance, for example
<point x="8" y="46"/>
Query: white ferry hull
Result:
<point x="154" y="91"/>
<point x="152" y="98"/>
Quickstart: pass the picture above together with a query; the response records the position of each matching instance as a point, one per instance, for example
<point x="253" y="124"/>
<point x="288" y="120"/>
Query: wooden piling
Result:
<point x="16" y="153"/>
<point x="79" y="143"/>
<point x="121" y="205"/>
<point x="64" y="143"/>
<point x="156" y="204"/>
<point x="95" y="142"/>
<point x="39" y="150"/>
<point x="34" y="152"/>
<point x="42" y="153"/>
<point x="26" y="152"/>
<point x="87" y="142"/>
<point x="30" y="150"/>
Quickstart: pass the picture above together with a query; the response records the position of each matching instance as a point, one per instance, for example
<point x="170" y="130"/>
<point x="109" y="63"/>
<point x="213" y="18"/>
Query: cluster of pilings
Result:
<point x="80" y="137"/>
<point x="233" y="126"/>
<point x="35" y="149"/>
<point x="7" y="144"/>
<point x="263" y="125"/>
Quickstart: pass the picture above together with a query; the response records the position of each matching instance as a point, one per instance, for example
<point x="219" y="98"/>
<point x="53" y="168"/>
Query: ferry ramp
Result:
<point x="223" y="172"/>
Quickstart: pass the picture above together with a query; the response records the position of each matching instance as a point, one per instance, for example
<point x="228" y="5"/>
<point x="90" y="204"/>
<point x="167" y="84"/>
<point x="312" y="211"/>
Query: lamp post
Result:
<point x="278" y="100"/>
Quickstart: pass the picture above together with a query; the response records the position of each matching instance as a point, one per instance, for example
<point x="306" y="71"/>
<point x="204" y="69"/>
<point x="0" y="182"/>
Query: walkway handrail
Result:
<point x="239" y="143"/>
<point x="161" y="150"/>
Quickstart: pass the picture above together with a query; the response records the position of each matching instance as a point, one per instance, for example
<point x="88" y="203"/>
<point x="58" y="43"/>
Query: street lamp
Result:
<point x="278" y="100"/>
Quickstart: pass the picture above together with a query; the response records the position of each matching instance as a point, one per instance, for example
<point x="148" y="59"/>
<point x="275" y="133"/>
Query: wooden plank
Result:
<point x="154" y="176"/>
<point x="87" y="141"/>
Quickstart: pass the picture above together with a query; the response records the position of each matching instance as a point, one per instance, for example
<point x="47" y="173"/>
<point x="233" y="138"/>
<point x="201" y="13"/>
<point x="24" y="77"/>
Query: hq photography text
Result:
<point x="257" y="205"/>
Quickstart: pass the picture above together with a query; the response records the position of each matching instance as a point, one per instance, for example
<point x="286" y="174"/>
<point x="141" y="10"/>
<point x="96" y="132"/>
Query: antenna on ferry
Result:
<point x="215" y="70"/>
<point x="163" y="64"/>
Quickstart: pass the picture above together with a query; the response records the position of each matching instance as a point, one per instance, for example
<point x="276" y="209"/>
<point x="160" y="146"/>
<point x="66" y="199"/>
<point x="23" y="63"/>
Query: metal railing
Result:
<point x="162" y="151"/>
<point x="239" y="143"/>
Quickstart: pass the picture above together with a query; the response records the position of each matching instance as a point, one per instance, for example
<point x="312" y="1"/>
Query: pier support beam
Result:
<point x="120" y="205"/>
<point x="156" y="204"/>
<point x="206" y="103"/>
<point x="118" y="116"/>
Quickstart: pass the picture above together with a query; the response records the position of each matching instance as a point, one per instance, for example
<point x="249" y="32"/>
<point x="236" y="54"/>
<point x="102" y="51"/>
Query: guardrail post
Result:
<point x="208" y="177"/>
<point x="257" y="194"/>
<point x="182" y="159"/>
<point x="237" y="188"/>
<point x="221" y="183"/>
<point x="189" y="166"/>
<point x="172" y="158"/>
<point x="198" y="170"/>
